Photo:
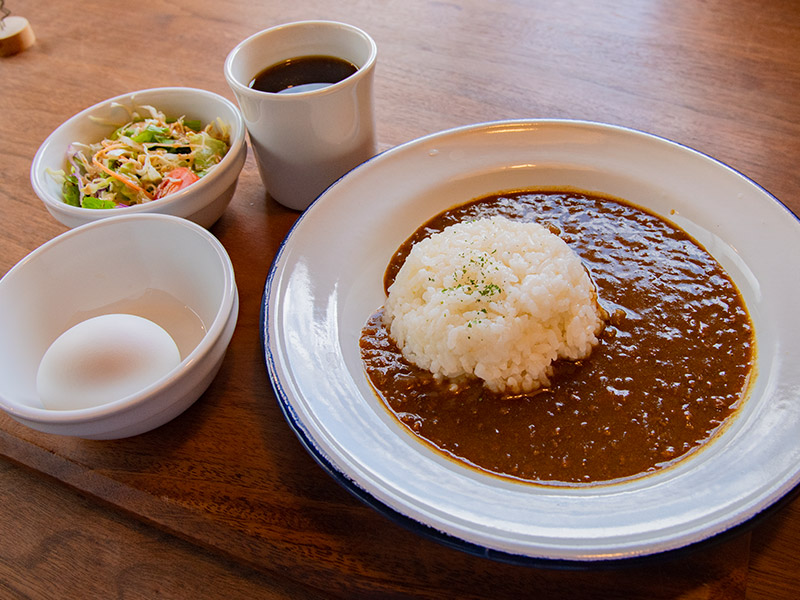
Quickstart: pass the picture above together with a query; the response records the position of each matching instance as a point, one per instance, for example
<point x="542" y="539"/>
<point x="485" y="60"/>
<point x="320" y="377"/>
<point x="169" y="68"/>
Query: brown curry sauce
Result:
<point x="671" y="368"/>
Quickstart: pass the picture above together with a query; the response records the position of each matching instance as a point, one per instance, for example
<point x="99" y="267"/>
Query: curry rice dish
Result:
<point x="659" y="358"/>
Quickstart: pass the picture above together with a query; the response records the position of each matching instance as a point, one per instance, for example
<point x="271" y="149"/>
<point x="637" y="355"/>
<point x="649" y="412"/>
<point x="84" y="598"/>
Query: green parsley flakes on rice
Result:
<point x="494" y="298"/>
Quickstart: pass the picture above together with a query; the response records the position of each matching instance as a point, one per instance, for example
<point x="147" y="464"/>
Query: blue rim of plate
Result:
<point x="455" y="542"/>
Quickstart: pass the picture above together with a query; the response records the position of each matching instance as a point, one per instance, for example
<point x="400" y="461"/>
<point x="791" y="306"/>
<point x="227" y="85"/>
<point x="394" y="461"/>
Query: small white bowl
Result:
<point x="164" y="268"/>
<point x="202" y="202"/>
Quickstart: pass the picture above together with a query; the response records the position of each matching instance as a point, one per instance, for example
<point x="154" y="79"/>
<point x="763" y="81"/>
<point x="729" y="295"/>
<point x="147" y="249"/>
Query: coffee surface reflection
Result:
<point x="302" y="74"/>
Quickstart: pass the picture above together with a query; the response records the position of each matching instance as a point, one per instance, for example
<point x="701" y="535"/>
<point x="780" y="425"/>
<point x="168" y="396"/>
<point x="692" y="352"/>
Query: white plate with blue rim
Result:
<point x="327" y="279"/>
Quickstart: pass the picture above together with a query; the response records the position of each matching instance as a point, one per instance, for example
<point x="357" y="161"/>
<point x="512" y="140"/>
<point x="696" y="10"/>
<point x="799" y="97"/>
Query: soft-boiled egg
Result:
<point x="104" y="359"/>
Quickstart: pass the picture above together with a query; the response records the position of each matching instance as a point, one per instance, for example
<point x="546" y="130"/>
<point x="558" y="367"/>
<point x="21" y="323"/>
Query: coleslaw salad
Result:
<point x="143" y="160"/>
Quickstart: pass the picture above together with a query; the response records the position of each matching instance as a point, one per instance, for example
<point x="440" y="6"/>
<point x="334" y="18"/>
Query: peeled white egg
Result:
<point x="104" y="359"/>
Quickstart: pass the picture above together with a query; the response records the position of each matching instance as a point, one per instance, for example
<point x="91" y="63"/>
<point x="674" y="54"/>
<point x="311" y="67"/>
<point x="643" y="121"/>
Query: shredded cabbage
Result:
<point x="129" y="166"/>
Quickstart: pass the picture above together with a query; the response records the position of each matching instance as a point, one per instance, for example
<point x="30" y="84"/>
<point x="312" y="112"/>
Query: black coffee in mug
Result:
<point x="302" y="74"/>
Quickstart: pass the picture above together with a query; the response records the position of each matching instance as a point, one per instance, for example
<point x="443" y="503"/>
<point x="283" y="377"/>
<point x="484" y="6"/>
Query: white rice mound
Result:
<point x="493" y="298"/>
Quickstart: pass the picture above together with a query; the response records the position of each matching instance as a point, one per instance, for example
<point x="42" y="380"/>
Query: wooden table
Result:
<point x="224" y="501"/>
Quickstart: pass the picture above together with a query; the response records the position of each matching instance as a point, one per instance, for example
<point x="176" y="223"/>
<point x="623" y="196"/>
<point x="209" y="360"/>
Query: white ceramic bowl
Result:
<point x="316" y="302"/>
<point x="202" y="202"/>
<point x="160" y="267"/>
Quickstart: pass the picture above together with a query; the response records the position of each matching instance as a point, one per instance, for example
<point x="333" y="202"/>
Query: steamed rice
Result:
<point x="496" y="299"/>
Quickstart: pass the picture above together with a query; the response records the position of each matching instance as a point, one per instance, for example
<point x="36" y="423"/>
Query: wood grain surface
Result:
<point x="224" y="502"/>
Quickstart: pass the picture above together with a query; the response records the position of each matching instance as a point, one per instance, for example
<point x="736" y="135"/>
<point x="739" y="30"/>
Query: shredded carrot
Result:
<point x="96" y="162"/>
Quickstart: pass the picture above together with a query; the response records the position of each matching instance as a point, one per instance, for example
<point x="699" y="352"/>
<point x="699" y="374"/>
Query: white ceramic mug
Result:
<point x="305" y="141"/>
